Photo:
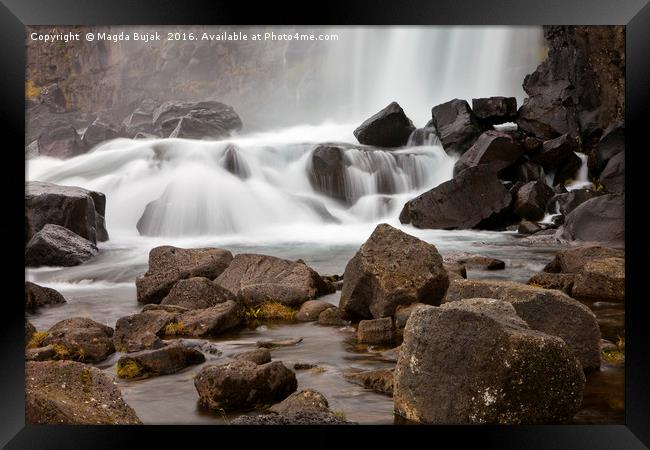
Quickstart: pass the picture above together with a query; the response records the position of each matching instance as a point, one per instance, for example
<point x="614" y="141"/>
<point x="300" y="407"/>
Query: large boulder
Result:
<point x="196" y="120"/>
<point x="476" y="361"/>
<point x="79" y="210"/>
<point x="601" y="219"/>
<point x="457" y="126"/>
<point x="560" y="281"/>
<point x="258" y="356"/>
<point x="531" y="200"/>
<point x="71" y="393"/>
<point x="495" y="110"/>
<point x="568" y="201"/>
<point x="197" y="293"/>
<point x="80" y="339"/>
<point x="234" y="163"/>
<point x="54" y="245"/>
<point x="573" y="259"/>
<point x="496" y="149"/>
<point x="257" y="279"/>
<point x="546" y="310"/>
<point x="97" y="132"/>
<point x="473" y="261"/>
<point x="36" y="296"/>
<point x="142" y="331"/>
<point x="613" y="175"/>
<point x="242" y="384"/>
<point x="557" y="153"/>
<point x="168" y="265"/>
<point x="390" y="269"/>
<point x="611" y="144"/>
<point x="209" y="321"/>
<point x="59" y="139"/>
<point x="388" y="128"/>
<point x="163" y="361"/>
<point x="601" y="280"/>
<point x="473" y="197"/>
<point x="328" y="172"/>
<point x="333" y="317"/>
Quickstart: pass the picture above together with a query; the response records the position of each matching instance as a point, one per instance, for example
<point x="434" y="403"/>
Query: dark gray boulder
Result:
<point x="99" y="131"/>
<point x="59" y="139"/>
<point x="569" y="201"/>
<point x="234" y="163"/>
<point x="613" y="175"/>
<point x="610" y="144"/>
<point x="195" y="120"/>
<point x="495" y="110"/>
<point x="388" y="128"/>
<point x="36" y="296"/>
<point x="457" y="126"/>
<point x="601" y="219"/>
<point x="496" y="149"/>
<point x="531" y="200"/>
<point x="54" y="245"/>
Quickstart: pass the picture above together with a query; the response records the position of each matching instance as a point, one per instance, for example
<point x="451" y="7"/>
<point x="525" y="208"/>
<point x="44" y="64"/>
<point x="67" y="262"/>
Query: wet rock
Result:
<point x="392" y="268"/>
<point x="556" y="152"/>
<point x="388" y="128"/>
<point x="333" y="317"/>
<point x="567" y="202"/>
<point x="531" y="200"/>
<point x="376" y="331"/>
<point x="257" y="279"/>
<point x="304" y="366"/>
<point x="572" y="260"/>
<point x="328" y="172"/>
<point x="379" y="380"/>
<point x="243" y="384"/>
<point x="527" y="227"/>
<point x="447" y="372"/>
<point x="59" y="139"/>
<point x="306" y="400"/>
<point x="163" y="361"/>
<point x="258" y="356"/>
<point x="79" y="210"/>
<point x="209" y="321"/>
<point x="457" y="126"/>
<point x="53" y="97"/>
<point x="68" y="392"/>
<point x="601" y="219"/>
<point x="196" y="120"/>
<point x="601" y="279"/>
<point x="141" y="331"/>
<point x="402" y="314"/>
<point x="29" y="331"/>
<point x="560" y="281"/>
<point x="168" y="265"/>
<point x="547" y="310"/>
<point x="233" y="163"/>
<point x="80" y="339"/>
<point x="613" y="176"/>
<point x="454" y="270"/>
<point x="298" y="418"/>
<point x="474" y="261"/>
<point x="466" y="201"/>
<point x="36" y="296"/>
<point x="311" y="309"/>
<point x="524" y="172"/>
<point x="54" y="245"/>
<point x="197" y="293"/>
<point x="272" y="343"/>
<point x="98" y="132"/>
<point x="47" y="353"/>
<point x="496" y="149"/>
<point x="610" y="144"/>
<point x="495" y="110"/>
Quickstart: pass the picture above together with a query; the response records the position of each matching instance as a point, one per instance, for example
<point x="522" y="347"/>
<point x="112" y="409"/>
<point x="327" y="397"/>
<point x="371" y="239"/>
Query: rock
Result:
<point x="474" y="261"/>
<point x="560" y="281"/>
<point x="466" y="201"/>
<point x="233" y="163"/>
<point x="531" y="200"/>
<point x="258" y="356"/>
<point x="527" y="227"/>
<point x="392" y="268"/>
<point x="496" y="149"/>
<point x="29" y="331"/>
<point x="306" y="400"/>
<point x="243" y="384"/>
<point x="53" y="97"/>
<point x="71" y="393"/>
<point x="168" y="265"/>
<point x="333" y="316"/>
<point x="448" y="373"/>
<point x="376" y="331"/>
<point x="547" y="310"/>
<point x="567" y="202"/>
<point x="79" y="210"/>
<point x="572" y="260"/>
<point x="601" y="219"/>
<point x="495" y="110"/>
<point x="98" y="132"/>
<point x="311" y="309"/>
<point x="54" y="245"/>
<point x="272" y="343"/>
<point x="379" y="380"/>
<point x="59" y="139"/>
<point x="298" y="418"/>
<point x="197" y="293"/>
<point x="257" y="279"/>
<point x="141" y="331"/>
<point x="36" y="296"/>
<point x="402" y="314"/>
<point x="424" y="136"/>
<point x="209" y="321"/>
<point x="457" y="126"/>
<point x="613" y="176"/>
<point x="556" y="152"/>
<point x="611" y="144"/>
<point x="304" y="366"/>
<point x="601" y="279"/>
<point x="327" y="174"/>
<point x="388" y="128"/>
<point x="524" y="172"/>
<point x="568" y="171"/>
<point x="196" y="120"/>
<point x="163" y="361"/>
<point x="454" y="270"/>
<point x="32" y="151"/>
<point x="80" y="339"/>
<point x="47" y="353"/>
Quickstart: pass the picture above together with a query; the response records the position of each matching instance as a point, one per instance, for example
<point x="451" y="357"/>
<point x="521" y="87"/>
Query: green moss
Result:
<point x="613" y="356"/>
<point x="63" y="352"/>
<point x="270" y="311"/>
<point x="129" y="368"/>
<point x="174" y="329"/>
<point x="37" y="339"/>
<point x="340" y="414"/>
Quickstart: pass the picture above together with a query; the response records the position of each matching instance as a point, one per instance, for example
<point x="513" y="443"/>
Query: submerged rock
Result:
<point x="388" y="128"/>
<point x="242" y="384"/>
<point x="333" y="317"/>
<point x="457" y="126"/>
<point x="233" y="163"/>
<point x="390" y="269"/>
<point x="474" y="261"/>
<point x="163" y="361"/>
<point x="378" y="380"/>
<point x="59" y="139"/>
<point x="67" y="392"/>
<point x="476" y="361"/>
<point x="54" y="245"/>
<point x="36" y="296"/>
<point x="257" y="279"/>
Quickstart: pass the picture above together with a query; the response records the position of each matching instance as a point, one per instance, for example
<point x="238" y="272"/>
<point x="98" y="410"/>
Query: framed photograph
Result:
<point x="380" y="218"/>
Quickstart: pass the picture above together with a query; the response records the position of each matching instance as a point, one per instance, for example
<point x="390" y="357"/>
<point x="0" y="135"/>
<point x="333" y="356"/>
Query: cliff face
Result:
<point x="580" y="88"/>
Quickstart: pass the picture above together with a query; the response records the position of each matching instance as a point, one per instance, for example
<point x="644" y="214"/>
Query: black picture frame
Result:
<point x="15" y="14"/>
